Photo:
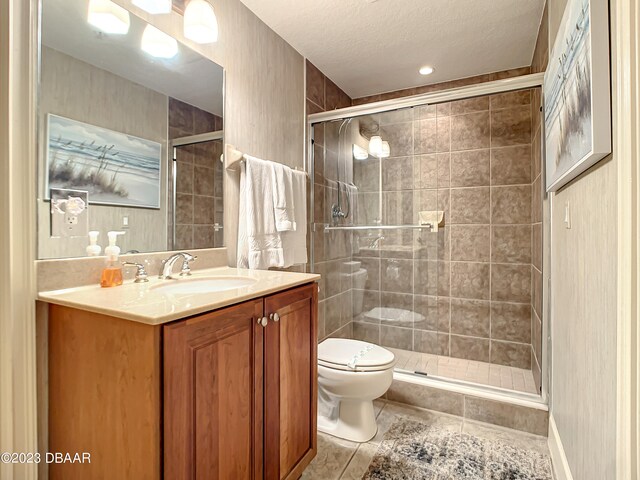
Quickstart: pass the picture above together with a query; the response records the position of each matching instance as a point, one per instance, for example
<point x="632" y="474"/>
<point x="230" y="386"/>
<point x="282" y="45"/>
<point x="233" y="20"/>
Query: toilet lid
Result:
<point x="355" y="355"/>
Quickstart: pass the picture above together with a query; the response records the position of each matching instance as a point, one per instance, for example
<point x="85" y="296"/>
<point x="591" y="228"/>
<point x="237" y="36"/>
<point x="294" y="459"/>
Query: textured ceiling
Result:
<point x="375" y="46"/>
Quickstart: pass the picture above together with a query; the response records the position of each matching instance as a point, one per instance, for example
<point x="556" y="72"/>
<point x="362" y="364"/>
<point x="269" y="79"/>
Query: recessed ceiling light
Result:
<point x="154" y="7"/>
<point x="108" y="17"/>
<point x="426" y="70"/>
<point x="158" y="44"/>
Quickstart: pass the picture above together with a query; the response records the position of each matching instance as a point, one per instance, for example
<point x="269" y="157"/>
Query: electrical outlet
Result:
<point x="69" y="213"/>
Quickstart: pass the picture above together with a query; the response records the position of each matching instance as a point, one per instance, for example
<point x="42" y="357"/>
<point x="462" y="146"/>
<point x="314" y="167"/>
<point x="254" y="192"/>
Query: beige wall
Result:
<point x="583" y="304"/>
<point x="129" y="108"/>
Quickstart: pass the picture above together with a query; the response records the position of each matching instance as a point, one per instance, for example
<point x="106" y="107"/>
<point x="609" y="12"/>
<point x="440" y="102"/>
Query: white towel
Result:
<point x="295" y="242"/>
<point x="259" y="243"/>
<point x="283" y="204"/>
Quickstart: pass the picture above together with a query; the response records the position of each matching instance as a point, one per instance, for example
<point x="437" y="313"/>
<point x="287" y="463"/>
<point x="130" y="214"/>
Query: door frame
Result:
<point x="626" y="21"/>
<point x="18" y="60"/>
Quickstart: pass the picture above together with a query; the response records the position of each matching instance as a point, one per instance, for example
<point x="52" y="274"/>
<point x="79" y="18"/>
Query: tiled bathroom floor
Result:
<point x="341" y="459"/>
<point x="466" y="370"/>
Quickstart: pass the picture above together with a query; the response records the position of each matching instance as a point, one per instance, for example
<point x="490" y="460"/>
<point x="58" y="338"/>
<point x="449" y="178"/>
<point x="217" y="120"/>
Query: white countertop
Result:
<point x="140" y="302"/>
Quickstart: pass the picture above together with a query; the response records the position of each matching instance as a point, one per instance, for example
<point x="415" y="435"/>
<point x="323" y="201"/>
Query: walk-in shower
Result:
<point x="427" y="229"/>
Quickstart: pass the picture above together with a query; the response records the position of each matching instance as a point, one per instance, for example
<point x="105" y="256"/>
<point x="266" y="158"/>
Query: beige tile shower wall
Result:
<point x="539" y="202"/>
<point x="115" y="103"/>
<point x="469" y="284"/>
<point x="332" y="161"/>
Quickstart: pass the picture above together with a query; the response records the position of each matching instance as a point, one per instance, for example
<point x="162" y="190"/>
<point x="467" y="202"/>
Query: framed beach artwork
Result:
<point x="115" y="168"/>
<point x="577" y="98"/>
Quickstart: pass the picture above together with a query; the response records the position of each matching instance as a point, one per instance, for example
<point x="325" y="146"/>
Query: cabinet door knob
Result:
<point x="263" y="321"/>
<point x="275" y="317"/>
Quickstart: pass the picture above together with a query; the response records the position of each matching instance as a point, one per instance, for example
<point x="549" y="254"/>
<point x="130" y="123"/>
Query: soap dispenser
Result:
<point x="112" y="273"/>
<point x="93" y="249"/>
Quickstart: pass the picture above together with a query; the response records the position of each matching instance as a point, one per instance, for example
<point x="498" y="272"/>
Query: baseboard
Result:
<point x="561" y="468"/>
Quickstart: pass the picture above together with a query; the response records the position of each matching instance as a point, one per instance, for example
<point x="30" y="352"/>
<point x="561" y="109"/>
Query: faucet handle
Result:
<point x="186" y="264"/>
<point x="141" y="272"/>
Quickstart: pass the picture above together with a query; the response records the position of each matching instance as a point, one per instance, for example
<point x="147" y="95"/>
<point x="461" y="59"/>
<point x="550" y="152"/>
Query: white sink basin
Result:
<point x="190" y="286"/>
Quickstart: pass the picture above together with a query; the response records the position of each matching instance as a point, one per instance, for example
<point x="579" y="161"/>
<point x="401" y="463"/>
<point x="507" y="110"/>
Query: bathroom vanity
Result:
<point x="157" y="382"/>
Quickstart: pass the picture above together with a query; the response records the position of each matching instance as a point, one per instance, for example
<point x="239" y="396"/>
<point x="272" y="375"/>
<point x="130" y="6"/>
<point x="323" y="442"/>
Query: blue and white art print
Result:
<point x="577" y="93"/>
<point x="115" y="168"/>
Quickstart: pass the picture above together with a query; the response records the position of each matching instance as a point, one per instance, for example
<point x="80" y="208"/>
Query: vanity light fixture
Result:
<point x="108" y="17"/>
<point x="385" y="151"/>
<point x="158" y="44"/>
<point x="375" y="145"/>
<point x="426" y="70"/>
<point x="359" y="153"/>
<point x="200" y="23"/>
<point x="154" y="7"/>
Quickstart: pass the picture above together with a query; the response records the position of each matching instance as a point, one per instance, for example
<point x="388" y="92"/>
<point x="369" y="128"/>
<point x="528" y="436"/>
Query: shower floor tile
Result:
<point x="472" y="371"/>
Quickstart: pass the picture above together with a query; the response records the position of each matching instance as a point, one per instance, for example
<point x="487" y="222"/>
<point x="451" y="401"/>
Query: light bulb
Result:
<point x="158" y="44"/>
<point x="375" y="146"/>
<point x="154" y="7"/>
<point x="108" y="17"/>
<point x="426" y="70"/>
<point x="385" y="151"/>
<point x="200" y="23"/>
<point x="359" y="153"/>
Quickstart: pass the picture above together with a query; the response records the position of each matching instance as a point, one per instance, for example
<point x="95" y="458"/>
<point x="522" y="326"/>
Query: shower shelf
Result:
<point x="328" y="228"/>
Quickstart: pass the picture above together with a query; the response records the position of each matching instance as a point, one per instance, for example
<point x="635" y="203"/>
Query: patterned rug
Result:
<point x="411" y="450"/>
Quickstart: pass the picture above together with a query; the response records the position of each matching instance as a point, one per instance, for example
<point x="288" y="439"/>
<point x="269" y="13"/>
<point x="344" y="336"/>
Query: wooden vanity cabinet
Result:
<point x="216" y="396"/>
<point x="290" y="382"/>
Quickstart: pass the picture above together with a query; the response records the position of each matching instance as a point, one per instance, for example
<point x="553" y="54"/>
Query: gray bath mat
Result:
<point x="412" y="451"/>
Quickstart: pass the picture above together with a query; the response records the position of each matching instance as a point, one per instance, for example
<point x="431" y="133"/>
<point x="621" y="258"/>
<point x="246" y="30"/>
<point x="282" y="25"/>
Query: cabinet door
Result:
<point x="213" y="395"/>
<point x="290" y="382"/>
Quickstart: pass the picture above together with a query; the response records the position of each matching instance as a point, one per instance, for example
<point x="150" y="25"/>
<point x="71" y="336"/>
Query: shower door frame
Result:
<point x="523" y="82"/>
<point x="173" y="146"/>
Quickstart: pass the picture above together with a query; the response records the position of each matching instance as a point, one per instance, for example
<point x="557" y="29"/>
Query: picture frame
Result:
<point x="577" y="93"/>
<point x="116" y="168"/>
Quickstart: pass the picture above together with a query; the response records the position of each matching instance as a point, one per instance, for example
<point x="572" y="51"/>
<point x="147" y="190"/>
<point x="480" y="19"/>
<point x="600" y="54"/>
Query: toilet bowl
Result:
<point x="351" y="374"/>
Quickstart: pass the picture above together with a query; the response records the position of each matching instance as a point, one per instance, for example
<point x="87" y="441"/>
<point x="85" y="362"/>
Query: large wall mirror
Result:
<point x="130" y="137"/>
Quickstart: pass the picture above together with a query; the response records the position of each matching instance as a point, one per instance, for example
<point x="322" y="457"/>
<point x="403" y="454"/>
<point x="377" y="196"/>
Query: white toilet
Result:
<point x="351" y="374"/>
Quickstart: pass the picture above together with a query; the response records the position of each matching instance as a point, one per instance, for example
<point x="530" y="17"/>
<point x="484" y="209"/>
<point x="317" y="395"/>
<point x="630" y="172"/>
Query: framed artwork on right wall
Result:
<point x="577" y="93"/>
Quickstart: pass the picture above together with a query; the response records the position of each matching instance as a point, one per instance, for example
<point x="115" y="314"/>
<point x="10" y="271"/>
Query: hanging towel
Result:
<point x="295" y="242"/>
<point x="259" y="242"/>
<point x="283" y="204"/>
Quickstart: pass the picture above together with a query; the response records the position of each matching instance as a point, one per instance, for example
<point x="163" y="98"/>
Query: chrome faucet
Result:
<point x="376" y="241"/>
<point x="141" y="272"/>
<point x="167" y="265"/>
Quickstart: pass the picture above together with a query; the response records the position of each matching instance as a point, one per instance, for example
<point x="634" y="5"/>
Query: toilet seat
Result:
<point x="354" y="356"/>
